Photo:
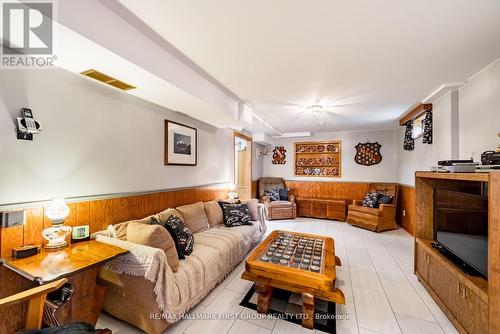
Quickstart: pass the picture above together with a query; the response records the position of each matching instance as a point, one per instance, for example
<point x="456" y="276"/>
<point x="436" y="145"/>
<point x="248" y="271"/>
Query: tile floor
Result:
<point x="382" y="293"/>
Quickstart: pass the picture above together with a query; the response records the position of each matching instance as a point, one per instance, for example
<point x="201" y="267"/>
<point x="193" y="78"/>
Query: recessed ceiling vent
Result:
<point x="96" y="75"/>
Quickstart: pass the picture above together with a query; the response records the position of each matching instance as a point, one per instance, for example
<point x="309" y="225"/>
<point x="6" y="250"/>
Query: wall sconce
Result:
<point x="56" y="235"/>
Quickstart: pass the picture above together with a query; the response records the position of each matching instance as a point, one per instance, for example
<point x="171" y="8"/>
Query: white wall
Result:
<point x="385" y="171"/>
<point x="257" y="164"/>
<point x="95" y="140"/>
<point x="480" y="112"/>
<point x="466" y="123"/>
<point x="426" y="155"/>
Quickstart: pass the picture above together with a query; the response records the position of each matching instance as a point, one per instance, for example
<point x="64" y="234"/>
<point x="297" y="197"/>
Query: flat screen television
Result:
<point x="461" y="229"/>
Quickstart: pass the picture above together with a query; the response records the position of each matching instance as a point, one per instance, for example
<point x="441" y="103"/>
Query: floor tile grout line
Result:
<point x="408" y="279"/>
<point x="350" y="277"/>
<point x="380" y="282"/>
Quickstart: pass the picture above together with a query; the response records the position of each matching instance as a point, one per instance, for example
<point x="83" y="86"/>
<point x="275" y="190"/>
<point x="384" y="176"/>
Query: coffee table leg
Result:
<point x="265" y="293"/>
<point x="307" y="310"/>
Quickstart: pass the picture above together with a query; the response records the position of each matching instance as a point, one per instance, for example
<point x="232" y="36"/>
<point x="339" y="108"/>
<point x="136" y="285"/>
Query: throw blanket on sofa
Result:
<point x="148" y="262"/>
<point x="216" y="252"/>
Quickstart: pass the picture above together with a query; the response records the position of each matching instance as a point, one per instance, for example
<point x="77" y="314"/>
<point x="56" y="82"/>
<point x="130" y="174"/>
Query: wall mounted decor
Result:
<point x="279" y="155"/>
<point x="181" y="144"/>
<point x="318" y="158"/>
<point x="368" y="154"/>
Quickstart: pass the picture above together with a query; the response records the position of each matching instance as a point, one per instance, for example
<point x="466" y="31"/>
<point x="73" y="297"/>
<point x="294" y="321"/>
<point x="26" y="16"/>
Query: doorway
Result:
<point x="243" y="165"/>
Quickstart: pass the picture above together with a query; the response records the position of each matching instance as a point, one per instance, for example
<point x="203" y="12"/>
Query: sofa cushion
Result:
<point x="272" y="194"/>
<point x="364" y="209"/>
<point x="164" y="215"/>
<point x="154" y="236"/>
<point x="182" y="236"/>
<point x="214" y="213"/>
<point x="281" y="204"/>
<point x="121" y="228"/>
<point x="253" y="208"/>
<point x="283" y="194"/>
<point x="155" y="220"/>
<point x="235" y="214"/>
<point x="384" y="199"/>
<point x="194" y="216"/>
<point x="371" y="199"/>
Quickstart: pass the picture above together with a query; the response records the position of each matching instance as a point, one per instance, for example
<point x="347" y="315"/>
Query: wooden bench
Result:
<point x="322" y="208"/>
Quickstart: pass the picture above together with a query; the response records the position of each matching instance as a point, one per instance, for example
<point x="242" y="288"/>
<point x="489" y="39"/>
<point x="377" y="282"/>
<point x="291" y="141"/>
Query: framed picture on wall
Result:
<point x="181" y="144"/>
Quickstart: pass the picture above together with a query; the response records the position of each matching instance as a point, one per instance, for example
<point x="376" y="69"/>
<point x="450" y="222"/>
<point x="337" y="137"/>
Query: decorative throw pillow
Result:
<point x="235" y="214"/>
<point x="182" y="235"/>
<point x="156" y="220"/>
<point x="157" y="237"/>
<point x="371" y="199"/>
<point x="194" y="216"/>
<point x="164" y="215"/>
<point x="384" y="199"/>
<point x="253" y="208"/>
<point x="272" y="194"/>
<point x="283" y="194"/>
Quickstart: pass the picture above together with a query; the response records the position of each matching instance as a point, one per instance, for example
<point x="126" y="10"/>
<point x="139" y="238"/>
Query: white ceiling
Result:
<point x="370" y="59"/>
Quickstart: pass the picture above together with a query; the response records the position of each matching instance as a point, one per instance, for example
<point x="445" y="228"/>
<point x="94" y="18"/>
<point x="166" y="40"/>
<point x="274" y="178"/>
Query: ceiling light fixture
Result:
<point x="315" y="109"/>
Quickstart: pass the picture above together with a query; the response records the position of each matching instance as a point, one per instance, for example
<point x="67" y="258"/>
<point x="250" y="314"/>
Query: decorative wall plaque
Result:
<point x="279" y="155"/>
<point x="318" y="159"/>
<point x="368" y="154"/>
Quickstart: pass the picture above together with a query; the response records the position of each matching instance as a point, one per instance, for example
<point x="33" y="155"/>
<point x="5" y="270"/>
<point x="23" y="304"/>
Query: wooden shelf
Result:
<point x="481" y="177"/>
<point x="334" y="156"/>
<point x="318" y="153"/>
<point x="314" y="166"/>
<point x="471" y="303"/>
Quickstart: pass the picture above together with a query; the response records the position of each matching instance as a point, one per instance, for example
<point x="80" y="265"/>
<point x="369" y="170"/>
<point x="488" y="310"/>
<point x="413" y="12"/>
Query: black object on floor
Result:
<point x="287" y="306"/>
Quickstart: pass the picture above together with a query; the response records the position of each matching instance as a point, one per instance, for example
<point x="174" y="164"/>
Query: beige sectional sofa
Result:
<point x="153" y="304"/>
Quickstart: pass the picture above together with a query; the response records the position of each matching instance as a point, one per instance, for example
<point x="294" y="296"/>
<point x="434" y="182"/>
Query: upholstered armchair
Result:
<point x="277" y="209"/>
<point x="375" y="219"/>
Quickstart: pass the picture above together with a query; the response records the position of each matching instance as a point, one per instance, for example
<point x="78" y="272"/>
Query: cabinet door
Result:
<point x="304" y="208"/>
<point x="468" y="308"/>
<point x="422" y="263"/>
<point x="471" y="311"/>
<point x="319" y="210"/>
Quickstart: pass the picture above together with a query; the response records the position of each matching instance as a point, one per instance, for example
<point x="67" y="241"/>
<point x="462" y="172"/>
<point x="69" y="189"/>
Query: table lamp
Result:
<point x="232" y="194"/>
<point x="57" y="211"/>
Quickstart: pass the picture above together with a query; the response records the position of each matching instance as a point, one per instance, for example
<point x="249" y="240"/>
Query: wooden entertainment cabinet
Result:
<point x="472" y="303"/>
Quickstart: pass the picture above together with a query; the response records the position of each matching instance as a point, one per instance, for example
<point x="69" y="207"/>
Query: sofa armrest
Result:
<point x="357" y="202"/>
<point x="138" y="259"/>
<point x="388" y="211"/>
<point x="262" y="216"/>
<point x="291" y="198"/>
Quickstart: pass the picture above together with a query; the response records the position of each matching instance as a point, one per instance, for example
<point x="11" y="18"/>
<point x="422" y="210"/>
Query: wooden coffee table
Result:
<point x="296" y="262"/>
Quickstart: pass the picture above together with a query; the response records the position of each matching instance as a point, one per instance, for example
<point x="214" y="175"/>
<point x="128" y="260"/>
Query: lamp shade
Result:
<point x="57" y="211"/>
<point x="232" y="186"/>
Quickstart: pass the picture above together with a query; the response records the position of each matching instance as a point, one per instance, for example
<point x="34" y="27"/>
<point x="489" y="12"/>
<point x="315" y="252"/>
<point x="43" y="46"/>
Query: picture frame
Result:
<point x="80" y="233"/>
<point x="181" y="144"/>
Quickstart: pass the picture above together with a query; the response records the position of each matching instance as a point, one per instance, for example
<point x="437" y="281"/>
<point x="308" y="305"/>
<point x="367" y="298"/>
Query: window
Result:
<point x="418" y="127"/>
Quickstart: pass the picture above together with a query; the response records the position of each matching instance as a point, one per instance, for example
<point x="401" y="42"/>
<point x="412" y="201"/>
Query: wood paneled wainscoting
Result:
<point x="99" y="213"/>
<point x="328" y="190"/>
<point x="350" y="191"/>
<point x="407" y="210"/>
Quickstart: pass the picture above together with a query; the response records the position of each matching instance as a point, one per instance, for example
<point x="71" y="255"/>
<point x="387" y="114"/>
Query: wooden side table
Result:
<point x="80" y="264"/>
